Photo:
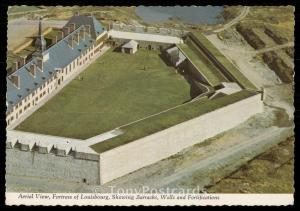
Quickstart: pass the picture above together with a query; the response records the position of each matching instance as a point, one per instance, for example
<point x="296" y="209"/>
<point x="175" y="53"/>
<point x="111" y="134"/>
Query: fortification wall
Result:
<point x="150" y="149"/>
<point x="118" y="42"/>
<point x="51" y="166"/>
<point x="149" y="30"/>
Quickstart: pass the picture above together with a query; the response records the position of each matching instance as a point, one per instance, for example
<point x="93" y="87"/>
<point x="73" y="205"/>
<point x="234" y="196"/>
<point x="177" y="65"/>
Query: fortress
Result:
<point x="221" y="98"/>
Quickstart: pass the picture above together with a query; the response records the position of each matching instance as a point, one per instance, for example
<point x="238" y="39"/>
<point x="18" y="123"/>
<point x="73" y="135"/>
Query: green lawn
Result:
<point x="115" y="90"/>
<point x="170" y="118"/>
<point x="23" y="8"/>
<point x="224" y="61"/>
<point x="203" y="64"/>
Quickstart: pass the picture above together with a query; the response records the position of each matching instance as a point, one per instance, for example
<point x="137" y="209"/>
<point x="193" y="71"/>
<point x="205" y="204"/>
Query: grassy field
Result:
<point x="203" y="64"/>
<point x="271" y="172"/>
<point x="23" y="8"/>
<point x="115" y="90"/>
<point x="170" y="118"/>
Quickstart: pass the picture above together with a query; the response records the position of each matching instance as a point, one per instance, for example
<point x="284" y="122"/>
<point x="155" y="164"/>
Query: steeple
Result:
<point x="40" y="26"/>
<point x="40" y="42"/>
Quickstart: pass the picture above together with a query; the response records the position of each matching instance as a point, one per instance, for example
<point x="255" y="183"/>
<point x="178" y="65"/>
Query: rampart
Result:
<point x="150" y="149"/>
<point x="50" y="157"/>
<point x="37" y="155"/>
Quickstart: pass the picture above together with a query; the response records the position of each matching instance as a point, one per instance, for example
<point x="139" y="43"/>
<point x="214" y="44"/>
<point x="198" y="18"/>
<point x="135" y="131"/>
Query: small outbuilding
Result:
<point x="130" y="47"/>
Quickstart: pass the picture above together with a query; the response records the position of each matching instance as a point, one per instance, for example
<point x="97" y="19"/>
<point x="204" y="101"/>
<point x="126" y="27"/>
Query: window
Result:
<point x="12" y="118"/>
<point x="36" y="99"/>
<point x="20" y="111"/>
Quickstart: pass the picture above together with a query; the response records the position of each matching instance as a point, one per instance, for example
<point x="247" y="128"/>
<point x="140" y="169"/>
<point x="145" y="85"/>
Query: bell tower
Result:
<point x="40" y="42"/>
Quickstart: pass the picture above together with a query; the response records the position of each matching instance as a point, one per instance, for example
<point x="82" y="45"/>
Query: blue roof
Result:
<point x="96" y="26"/>
<point x="60" y="55"/>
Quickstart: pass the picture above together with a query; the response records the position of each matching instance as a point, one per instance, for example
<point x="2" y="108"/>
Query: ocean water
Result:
<point x="190" y="14"/>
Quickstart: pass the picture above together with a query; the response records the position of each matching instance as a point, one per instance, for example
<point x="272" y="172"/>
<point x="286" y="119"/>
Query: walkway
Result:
<point x="241" y="16"/>
<point x="273" y="48"/>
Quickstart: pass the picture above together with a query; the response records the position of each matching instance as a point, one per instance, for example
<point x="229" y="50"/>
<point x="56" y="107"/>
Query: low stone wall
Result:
<point x="149" y="30"/>
<point x="150" y="149"/>
<point x="51" y="166"/>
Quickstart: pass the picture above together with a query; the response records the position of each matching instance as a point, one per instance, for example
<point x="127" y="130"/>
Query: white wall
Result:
<point x="150" y="149"/>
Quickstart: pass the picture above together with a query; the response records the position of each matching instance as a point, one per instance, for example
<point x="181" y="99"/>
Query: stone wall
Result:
<point x="51" y="166"/>
<point x="149" y="30"/>
<point x="150" y="149"/>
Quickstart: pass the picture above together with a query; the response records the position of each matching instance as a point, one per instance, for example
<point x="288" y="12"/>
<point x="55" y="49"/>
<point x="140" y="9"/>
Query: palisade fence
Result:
<point x="149" y="30"/>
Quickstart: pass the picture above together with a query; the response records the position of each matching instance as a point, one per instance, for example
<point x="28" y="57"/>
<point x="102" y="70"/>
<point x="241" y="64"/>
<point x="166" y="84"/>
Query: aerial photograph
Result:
<point x="103" y="98"/>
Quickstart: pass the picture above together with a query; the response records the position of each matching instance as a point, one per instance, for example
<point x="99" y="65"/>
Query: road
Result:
<point x="241" y="16"/>
<point x="219" y="158"/>
<point x="273" y="48"/>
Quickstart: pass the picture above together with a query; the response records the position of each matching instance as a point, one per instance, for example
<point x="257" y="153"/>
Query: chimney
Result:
<point x="70" y="41"/>
<point x="56" y="39"/>
<point x="61" y="35"/>
<point x="16" y="65"/>
<point x="32" y="70"/>
<point x="87" y="29"/>
<point x="78" y="37"/>
<point x="23" y="60"/>
<point x="82" y="33"/>
<point x="40" y="63"/>
<point x="15" y="79"/>
<point x="72" y="26"/>
<point x="66" y="30"/>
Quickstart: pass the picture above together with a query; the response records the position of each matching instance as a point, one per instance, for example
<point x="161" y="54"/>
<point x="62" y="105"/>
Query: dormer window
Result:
<point x="15" y="79"/>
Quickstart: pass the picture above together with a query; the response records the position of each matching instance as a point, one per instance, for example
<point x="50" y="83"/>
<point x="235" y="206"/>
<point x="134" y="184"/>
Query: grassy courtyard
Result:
<point x="116" y="89"/>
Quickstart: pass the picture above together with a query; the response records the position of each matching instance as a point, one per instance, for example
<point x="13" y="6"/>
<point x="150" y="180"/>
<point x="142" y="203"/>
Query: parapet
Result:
<point x="45" y="144"/>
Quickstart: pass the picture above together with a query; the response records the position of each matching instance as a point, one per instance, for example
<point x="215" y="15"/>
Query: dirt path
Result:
<point x="273" y="48"/>
<point x="242" y="15"/>
<point x="240" y="55"/>
<point x="221" y="157"/>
